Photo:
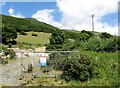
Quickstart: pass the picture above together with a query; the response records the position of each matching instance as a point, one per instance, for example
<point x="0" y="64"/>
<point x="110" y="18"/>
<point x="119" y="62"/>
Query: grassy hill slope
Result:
<point x="42" y="38"/>
<point x="26" y="24"/>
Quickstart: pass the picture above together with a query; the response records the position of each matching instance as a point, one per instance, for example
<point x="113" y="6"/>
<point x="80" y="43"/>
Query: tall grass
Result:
<point x="106" y="68"/>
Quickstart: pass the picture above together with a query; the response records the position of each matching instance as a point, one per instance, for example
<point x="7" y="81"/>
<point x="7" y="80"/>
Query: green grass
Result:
<point x="42" y="38"/>
<point x="106" y="65"/>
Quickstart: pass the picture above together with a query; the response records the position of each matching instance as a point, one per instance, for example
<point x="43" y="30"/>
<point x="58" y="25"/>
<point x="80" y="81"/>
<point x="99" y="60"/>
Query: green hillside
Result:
<point x="95" y="65"/>
<point x="42" y="38"/>
<point x="26" y="24"/>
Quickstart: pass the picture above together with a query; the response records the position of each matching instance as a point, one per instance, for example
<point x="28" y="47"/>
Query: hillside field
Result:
<point x="42" y="38"/>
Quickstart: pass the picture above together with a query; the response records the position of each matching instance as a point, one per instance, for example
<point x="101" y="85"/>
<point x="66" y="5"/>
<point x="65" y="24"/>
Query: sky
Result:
<point x="69" y="14"/>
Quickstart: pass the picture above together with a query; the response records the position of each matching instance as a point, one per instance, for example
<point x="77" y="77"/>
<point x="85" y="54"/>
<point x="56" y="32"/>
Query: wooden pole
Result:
<point x="93" y="24"/>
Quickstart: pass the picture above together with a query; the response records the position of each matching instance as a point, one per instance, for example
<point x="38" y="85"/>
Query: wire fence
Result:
<point x="29" y="65"/>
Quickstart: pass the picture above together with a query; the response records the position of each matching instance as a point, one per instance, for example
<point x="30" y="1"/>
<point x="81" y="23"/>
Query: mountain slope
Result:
<point x="26" y="24"/>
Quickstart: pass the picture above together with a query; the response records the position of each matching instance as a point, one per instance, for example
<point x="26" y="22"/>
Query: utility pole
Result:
<point x="93" y="24"/>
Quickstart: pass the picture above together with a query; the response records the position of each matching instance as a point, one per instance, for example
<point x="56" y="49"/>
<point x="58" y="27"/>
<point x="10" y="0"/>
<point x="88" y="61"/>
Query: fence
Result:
<point x="29" y="65"/>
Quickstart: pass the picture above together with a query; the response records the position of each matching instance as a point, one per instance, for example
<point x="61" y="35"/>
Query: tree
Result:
<point x="105" y="35"/>
<point x="89" y="33"/>
<point x="84" y="36"/>
<point x="8" y="34"/>
<point x="57" y="37"/>
<point x="57" y="40"/>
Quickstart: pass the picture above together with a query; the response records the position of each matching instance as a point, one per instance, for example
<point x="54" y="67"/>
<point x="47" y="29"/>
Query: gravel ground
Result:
<point x="11" y="72"/>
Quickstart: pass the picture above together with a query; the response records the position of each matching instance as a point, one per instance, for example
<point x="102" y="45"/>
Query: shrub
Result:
<point x="23" y="33"/>
<point x="4" y="61"/>
<point x="10" y="52"/>
<point x="30" y="68"/>
<point x="54" y="47"/>
<point x="33" y="34"/>
<point x="75" y="68"/>
<point x="95" y="44"/>
<point x="9" y="45"/>
<point x="105" y="35"/>
<point x="73" y="65"/>
<point x="107" y="45"/>
<point x="118" y="43"/>
<point x="112" y="46"/>
<point x="55" y="60"/>
<point x="12" y="55"/>
<point x="89" y="33"/>
<point x="84" y="37"/>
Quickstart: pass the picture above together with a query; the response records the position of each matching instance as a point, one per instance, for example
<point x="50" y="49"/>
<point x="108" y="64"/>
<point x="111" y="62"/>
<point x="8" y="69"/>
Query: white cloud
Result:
<point x="46" y="16"/>
<point x="76" y="14"/>
<point x="12" y="13"/>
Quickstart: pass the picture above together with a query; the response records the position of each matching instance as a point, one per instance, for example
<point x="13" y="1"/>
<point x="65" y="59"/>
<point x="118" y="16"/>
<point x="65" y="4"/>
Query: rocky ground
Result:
<point x="11" y="72"/>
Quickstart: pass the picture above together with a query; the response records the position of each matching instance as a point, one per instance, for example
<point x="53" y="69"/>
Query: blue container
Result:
<point x="42" y="64"/>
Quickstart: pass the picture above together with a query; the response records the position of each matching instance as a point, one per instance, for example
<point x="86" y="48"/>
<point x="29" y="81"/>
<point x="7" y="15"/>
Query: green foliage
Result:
<point x="1" y="47"/>
<point x="75" y="68"/>
<point x="30" y="68"/>
<point x="8" y="34"/>
<point x="27" y="24"/>
<point x="54" y="47"/>
<point x="69" y="45"/>
<point x="105" y="68"/>
<point x="73" y="65"/>
<point x="4" y="61"/>
<point x="118" y="43"/>
<point x="71" y="34"/>
<point x="112" y="46"/>
<point x="84" y="36"/>
<point x="57" y="37"/>
<point x="23" y="33"/>
<point x="56" y="58"/>
<point x="107" y="45"/>
<point x="89" y="33"/>
<point x="9" y="45"/>
<point x="94" y="44"/>
<point x="9" y="52"/>
<point x="12" y="55"/>
<point x="105" y="35"/>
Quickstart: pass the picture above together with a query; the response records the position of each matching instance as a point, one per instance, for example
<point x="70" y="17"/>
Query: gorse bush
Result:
<point x="112" y="46"/>
<point x="23" y="33"/>
<point x="105" y="35"/>
<point x="95" y="44"/>
<point x="75" y="68"/>
<point x="101" y="45"/>
<point x="56" y="58"/>
<point x="85" y="35"/>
